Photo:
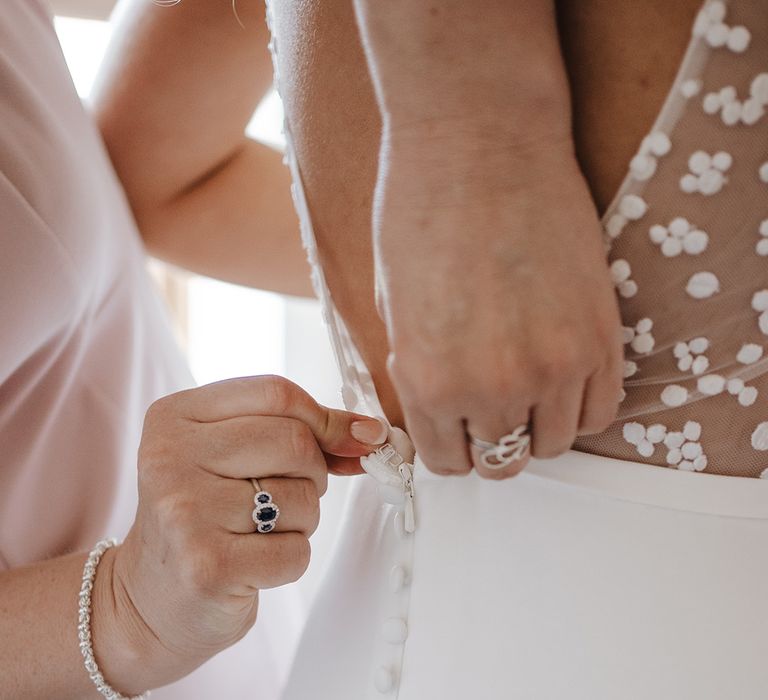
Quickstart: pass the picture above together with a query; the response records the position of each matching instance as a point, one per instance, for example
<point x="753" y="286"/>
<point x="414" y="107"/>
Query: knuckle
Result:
<point x="158" y="409"/>
<point x="310" y="503"/>
<point x="559" y="364"/>
<point x="292" y="559"/>
<point x="303" y="555"/>
<point x="551" y="449"/>
<point x="301" y="443"/>
<point x="279" y="393"/>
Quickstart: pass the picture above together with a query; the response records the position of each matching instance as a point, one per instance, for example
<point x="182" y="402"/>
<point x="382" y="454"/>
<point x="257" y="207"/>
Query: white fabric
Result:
<point x="550" y="586"/>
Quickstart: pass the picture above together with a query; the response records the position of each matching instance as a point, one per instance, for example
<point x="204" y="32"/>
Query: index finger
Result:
<point x="272" y="395"/>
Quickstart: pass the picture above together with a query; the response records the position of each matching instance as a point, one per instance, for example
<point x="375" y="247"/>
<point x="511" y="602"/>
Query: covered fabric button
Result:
<point x="690" y="88"/>
<point x="715" y="11"/>
<point x="399" y="524"/>
<point x="615" y="225"/>
<point x="717" y="35"/>
<point x="384" y="679"/>
<point x="394" y="630"/>
<point x="658" y="143"/>
<point x="397" y="578"/>
<point x="643" y="166"/>
<point x="633" y="207"/>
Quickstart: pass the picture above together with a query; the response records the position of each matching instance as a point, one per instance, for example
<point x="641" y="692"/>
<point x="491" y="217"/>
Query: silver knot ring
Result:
<point x="510" y="448"/>
<point x="266" y="512"/>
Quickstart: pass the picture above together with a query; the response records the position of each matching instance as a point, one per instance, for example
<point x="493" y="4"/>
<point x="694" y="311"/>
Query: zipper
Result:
<point x="406" y="474"/>
<point x="388" y="467"/>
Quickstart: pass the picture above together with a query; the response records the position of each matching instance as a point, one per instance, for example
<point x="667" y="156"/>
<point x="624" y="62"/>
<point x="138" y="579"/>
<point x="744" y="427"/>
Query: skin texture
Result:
<point x="185" y="582"/>
<point x="616" y="87"/>
<point x="174" y="96"/>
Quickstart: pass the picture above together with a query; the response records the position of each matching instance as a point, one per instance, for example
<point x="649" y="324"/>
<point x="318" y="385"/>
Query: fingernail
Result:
<point x="369" y="431"/>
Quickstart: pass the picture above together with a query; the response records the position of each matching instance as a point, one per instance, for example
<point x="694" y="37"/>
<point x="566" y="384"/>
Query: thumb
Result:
<point x="346" y="434"/>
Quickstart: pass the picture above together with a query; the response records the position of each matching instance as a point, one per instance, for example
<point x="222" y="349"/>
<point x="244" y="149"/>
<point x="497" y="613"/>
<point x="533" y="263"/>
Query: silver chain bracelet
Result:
<point x="84" y="625"/>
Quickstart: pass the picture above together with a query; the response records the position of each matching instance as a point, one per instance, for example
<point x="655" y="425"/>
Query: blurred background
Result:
<point x="229" y="331"/>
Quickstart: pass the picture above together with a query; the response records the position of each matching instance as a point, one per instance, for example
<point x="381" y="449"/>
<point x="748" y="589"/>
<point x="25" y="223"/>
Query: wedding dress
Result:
<point x="635" y="567"/>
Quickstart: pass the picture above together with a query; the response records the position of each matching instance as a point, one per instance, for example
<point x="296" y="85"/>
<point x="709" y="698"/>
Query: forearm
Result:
<point x="175" y="94"/>
<point x="490" y="70"/>
<point x="237" y="225"/>
<point x="39" y="653"/>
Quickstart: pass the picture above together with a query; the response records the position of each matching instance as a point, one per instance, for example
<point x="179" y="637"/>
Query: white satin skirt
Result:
<point x="584" y="578"/>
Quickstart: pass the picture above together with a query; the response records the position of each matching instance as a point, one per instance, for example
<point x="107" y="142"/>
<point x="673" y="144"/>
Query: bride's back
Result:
<point x="621" y="57"/>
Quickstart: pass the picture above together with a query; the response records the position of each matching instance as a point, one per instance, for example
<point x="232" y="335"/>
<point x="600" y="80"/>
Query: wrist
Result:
<point x="120" y="647"/>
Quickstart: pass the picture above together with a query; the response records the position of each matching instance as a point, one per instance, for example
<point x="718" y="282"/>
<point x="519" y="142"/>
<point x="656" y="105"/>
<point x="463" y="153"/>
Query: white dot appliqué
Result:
<point x="684" y="450"/>
<point x="639" y="338"/>
<point x="733" y="110"/>
<point x="761" y="247"/>
<point x="620" y="274"/>
<point x="679" y="236"/>
<point x="711" y="384"/>
<point x="690" y="356"/>
<point x="710" y="26"/>
<point x="760" y="436"/>
<point x="643" y="165"/>
<point x="749" y="353"/>
<point x="706" y="174"/>
<point x="630" y="369"/>
<point x="758" y="88"/>
<point x="760" y="304"/>
<point x="674" y="395"/>
<point x="738" y="39"/>
<point x="702" y="285"/>
<point x="644" y="439"/>
<point x="763" y="172"/>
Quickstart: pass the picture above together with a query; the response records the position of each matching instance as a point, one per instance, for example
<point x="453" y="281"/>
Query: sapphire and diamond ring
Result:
<point x="266" y="512"/>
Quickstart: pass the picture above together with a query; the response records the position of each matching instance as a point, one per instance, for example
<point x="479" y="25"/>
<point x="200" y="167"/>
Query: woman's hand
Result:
<point x="491" y="276"/>
<point x="492" y="280"/>
<point x="184" y="584"/>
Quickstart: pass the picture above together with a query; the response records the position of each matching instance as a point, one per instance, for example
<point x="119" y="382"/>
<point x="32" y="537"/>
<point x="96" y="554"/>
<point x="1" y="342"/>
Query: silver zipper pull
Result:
<point x="410" y="513"/>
